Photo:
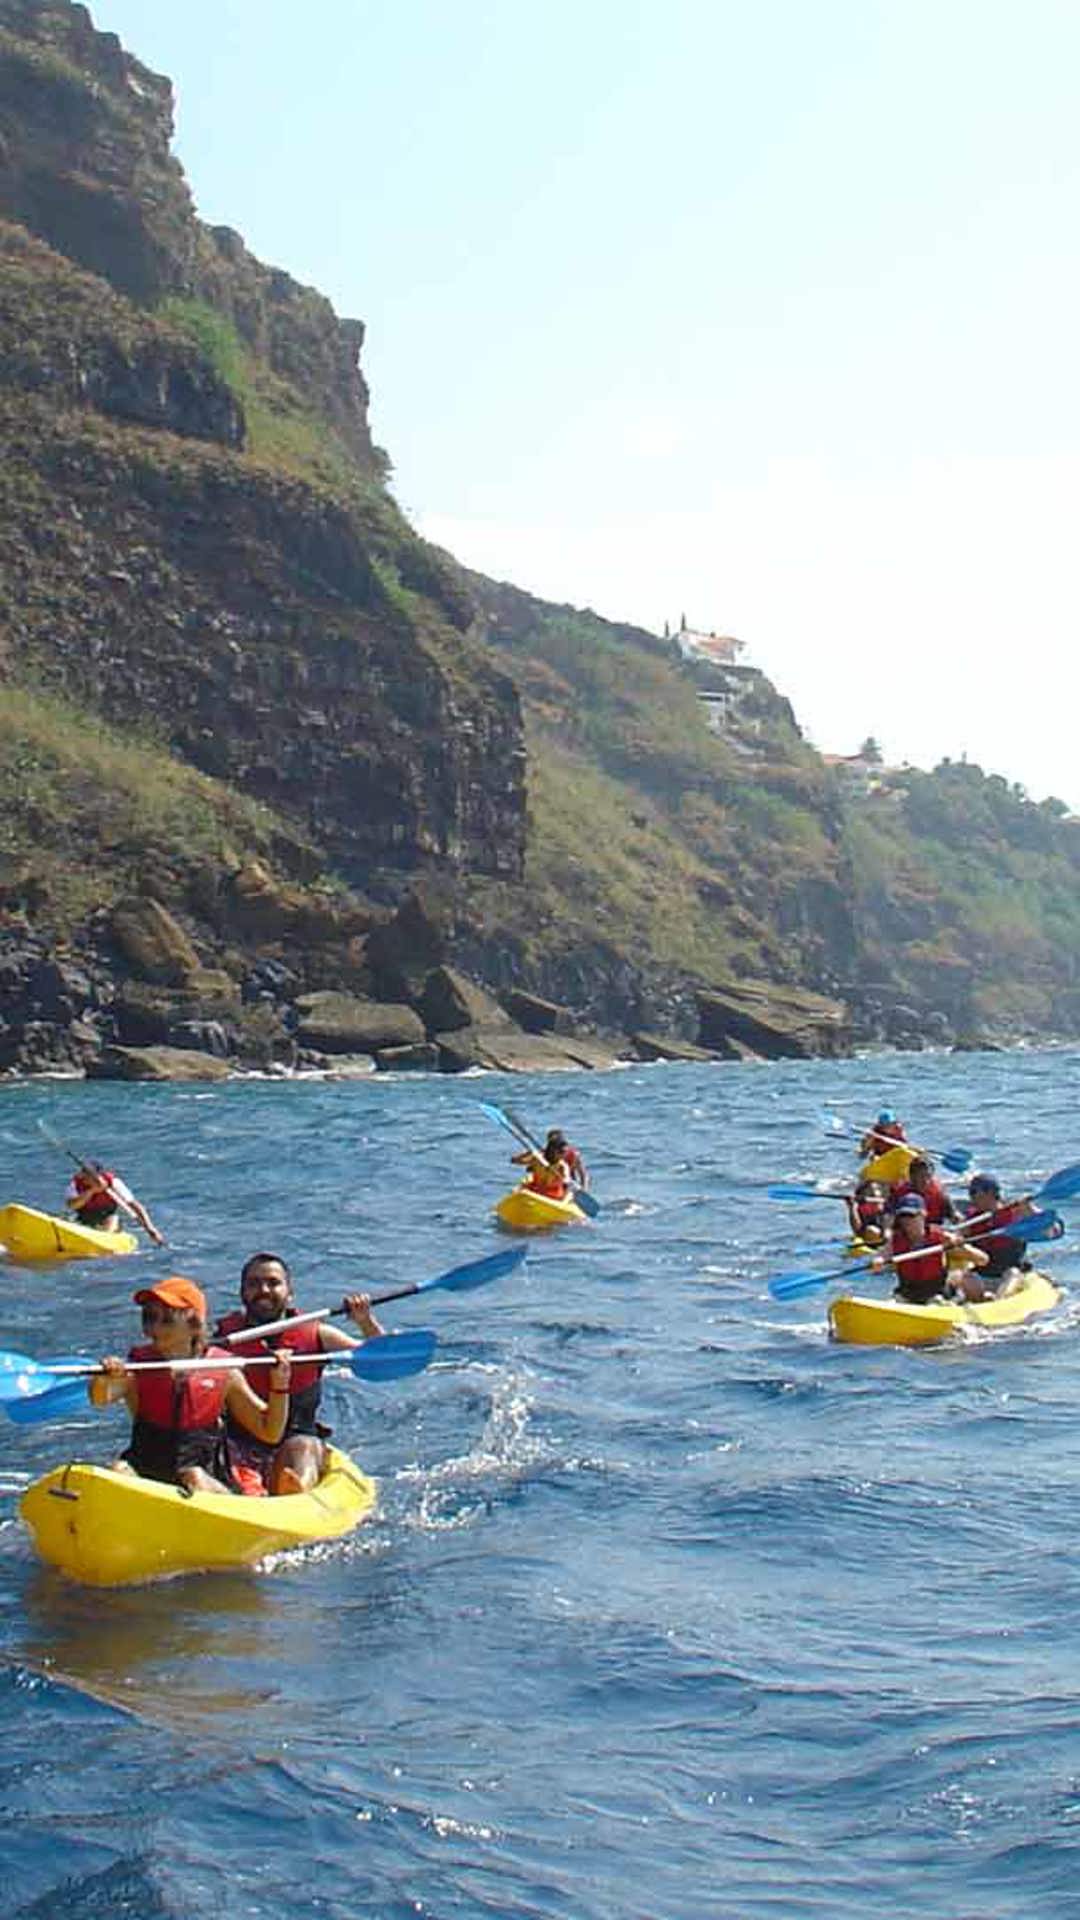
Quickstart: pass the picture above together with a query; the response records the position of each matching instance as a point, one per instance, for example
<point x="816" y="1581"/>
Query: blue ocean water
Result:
<point x="671" y="1609"/>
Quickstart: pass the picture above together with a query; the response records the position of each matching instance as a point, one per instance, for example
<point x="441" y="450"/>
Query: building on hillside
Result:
<point x="857" y="772"/>
<point x="714" y="649"/>
<point x="721" y="674"/>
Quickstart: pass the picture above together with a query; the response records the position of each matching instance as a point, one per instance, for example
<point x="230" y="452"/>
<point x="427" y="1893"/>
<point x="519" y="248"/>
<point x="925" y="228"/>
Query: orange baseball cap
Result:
<point x="174" y="1292"/>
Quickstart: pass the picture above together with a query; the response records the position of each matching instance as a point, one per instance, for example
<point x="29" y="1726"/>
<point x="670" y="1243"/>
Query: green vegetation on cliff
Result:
<point x="220" y="640"/>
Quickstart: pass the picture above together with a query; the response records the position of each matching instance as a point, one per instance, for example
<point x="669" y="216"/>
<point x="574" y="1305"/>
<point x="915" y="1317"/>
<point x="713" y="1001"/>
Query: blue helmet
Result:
<point x="911" y="1203"/>
<point x="886" y="1118"/>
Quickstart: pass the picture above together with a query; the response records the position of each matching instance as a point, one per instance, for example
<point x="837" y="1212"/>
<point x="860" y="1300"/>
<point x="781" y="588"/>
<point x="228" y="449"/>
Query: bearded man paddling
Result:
<point x="299" y="1460"/>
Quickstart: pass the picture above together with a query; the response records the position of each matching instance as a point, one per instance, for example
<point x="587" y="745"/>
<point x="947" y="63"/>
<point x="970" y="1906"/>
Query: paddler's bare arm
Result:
<point x="115" y="1383"/>
<point x="266" y="1419"/>
<point x="333" y="1340"/>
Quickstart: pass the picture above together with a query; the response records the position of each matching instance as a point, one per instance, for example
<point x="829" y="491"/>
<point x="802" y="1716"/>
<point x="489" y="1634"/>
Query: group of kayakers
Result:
<point x="900" y="1208"/>
<point x="237" y="1410"/>
<point x="241" y="1415"/>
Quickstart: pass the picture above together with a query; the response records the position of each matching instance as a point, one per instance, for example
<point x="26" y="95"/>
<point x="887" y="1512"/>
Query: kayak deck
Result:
<point x="109" y="1529"/>
<point x="32" y="1236"/>
<point x="902" y="1323"/>
<point x="525" y="1211"/>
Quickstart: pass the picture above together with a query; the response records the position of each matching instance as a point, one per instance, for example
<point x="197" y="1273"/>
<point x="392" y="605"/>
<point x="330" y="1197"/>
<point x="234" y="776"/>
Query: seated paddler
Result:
<point x="180" y="1412"/>
<point x="296" y="1458"/>
<point x="930" y="1261"/>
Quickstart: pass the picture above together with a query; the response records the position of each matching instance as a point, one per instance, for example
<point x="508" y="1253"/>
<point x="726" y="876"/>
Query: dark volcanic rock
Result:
<point x="655" y="1046"/>
<point x="536" y="1015"/>
<point x="341" y="1023"/>
<point x="420" y="1059"/>
<point x="779" y="1023"/>
<point x="155" y="1063"/>
<point x="450" y="1001"/>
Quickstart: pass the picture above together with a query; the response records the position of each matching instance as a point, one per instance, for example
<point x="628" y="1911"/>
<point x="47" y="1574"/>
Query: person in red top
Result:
<point x="920" y="1180"/>
<point x="556" y="1148"/>
<point x="296" y="1460"/>
<point x="575" y="1165"/>
<point x="96" y="1196"/>
<point x="178" y="1434"/>
<point x="547" y="1173"/>
<point x="989" y="1214"/>
<point x="866" y="1212"/>
<point x="920" y="1255"/>
<point x="887" y="1131"/>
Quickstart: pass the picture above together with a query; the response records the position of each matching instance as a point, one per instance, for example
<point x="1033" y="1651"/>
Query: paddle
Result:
<point x="956" y="1159"/>
<point x="85" y="1166"/>
<point x="475" y="1273"/>
<point x="511" y="1124"/>
<point x="793" y="1191"/>
<point x="1033" y="1226"/>
<point x="68" y="1397"/>
<point x="26" y="1383"/>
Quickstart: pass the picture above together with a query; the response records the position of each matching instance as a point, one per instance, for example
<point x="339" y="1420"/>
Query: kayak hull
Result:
<point x="109" y="1529"/>
<point x="524" y="1211"/>
<point x="29" y="1235"/>
<point x="900" y="1323"/>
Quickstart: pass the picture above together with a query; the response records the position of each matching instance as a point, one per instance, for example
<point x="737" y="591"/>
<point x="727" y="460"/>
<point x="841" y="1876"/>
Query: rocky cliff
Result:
<point x="259" y="742"/>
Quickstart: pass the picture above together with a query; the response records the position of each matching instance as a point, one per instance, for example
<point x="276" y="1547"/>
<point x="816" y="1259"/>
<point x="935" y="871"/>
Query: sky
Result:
<point x="764" y="314"/>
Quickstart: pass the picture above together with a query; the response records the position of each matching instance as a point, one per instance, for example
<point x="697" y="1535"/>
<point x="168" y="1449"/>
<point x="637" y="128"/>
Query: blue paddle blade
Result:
<point x="792" y="1286"/>
<point x="957" y="1159"/>
<point x="1034" y="1226"/>
<point x="793" y="1191"/>
<point x="391" y="1356"/>
<point x="1063" y="1185"/>
<point x="476" y="1273"/>
<point x="503" y="1120"/>
<point x="17" y="1370"/>
<point x="50" y="1404"/>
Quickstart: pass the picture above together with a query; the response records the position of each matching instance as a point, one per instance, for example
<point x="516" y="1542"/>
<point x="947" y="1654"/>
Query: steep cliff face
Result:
<point x="85" y="163"/>
<point x="273" y="618"/>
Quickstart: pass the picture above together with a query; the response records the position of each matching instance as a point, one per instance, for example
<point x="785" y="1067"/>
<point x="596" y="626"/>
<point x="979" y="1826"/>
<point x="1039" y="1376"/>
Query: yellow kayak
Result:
<point x="891" y="1167"/>
<point x="110" y="1529"/>
<point x="900" y="1323"/>
<point x="524" y="1211"/>
<point x="29" y="1235"/>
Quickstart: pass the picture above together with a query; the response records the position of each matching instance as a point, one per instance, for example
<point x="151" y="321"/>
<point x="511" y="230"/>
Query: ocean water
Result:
<point x="670" y="1609"/>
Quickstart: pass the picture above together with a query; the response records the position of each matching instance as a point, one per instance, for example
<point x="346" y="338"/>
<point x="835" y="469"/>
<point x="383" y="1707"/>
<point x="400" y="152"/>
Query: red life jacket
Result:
<point x="575" y="1166"/>
<point x="186" y="1402"/>
<point x="299" y="1340"/>
<point x="934" y="1196"/>
<point x="96" y="1201"/>
<point x="1001" y="1250"/>
<point x="305" y="1382"/>
<point x="924" y="1273"/>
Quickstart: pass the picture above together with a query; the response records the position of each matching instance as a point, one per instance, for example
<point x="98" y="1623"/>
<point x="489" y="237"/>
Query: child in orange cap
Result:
<point x="178" y="1412"/>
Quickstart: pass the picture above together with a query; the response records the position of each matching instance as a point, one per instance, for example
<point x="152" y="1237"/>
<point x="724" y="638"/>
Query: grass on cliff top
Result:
<point x="86" y="814"/>
<point x="282" y="432"/>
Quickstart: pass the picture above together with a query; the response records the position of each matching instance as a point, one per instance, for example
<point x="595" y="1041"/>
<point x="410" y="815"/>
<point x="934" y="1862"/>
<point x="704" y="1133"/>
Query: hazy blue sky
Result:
<point x="767" y="313"/>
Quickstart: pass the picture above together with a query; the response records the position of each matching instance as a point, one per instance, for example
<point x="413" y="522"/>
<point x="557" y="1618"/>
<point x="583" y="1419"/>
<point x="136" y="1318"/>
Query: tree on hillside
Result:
<point x="871" y="751"/>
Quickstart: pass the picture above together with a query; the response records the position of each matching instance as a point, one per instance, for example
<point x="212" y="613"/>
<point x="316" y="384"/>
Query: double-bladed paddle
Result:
<point x="28" y="1393"/>
<point x="86" y="1166"/>
<point x="1033" y="1226"/>
<point x="512" y="1124"/>
<point x="475" y="1273"/>
<point x="956" y="1159"/>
